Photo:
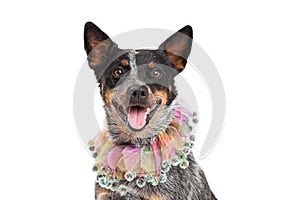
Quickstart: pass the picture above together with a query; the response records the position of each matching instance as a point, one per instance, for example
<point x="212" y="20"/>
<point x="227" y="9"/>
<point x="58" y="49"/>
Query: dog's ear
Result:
<point x="178" y="47"/>
<point x="97" y="44"/>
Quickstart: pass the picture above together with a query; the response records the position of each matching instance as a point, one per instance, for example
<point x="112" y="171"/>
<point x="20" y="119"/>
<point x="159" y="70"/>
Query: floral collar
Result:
<point x="147" y="164"/>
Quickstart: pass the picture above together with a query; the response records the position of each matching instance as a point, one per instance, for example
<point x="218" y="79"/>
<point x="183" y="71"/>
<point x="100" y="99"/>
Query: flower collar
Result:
<point x="147" y="164"/>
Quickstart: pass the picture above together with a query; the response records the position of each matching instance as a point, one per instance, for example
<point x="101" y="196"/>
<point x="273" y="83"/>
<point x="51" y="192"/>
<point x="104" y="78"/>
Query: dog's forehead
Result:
<point x="140" y="57"/>
<point x="145" y="57"/>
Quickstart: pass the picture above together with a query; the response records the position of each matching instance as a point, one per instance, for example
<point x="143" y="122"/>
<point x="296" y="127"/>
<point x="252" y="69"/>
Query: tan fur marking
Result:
<point x="124" y="62"/>
<point x="177" y="47"/>
<point x="175" y="60"/>
<point x="98" y="54"/>
<point x="151" y="64"/>
<point x="94" y="43"/>
<point x="108" y="97"/>
<point x="174" y="51"/>
<point x="101" y="193"/>
<point x="163" y="95"/>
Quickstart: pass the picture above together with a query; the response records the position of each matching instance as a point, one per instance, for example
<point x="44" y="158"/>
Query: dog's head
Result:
<point x="137" y="86"/>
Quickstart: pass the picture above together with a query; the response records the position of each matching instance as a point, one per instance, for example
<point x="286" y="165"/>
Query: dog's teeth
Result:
<point x="148" y="110"/>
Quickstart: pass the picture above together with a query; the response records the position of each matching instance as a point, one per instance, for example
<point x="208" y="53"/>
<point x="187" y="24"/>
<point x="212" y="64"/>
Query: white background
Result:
<point x="254" y="44"/>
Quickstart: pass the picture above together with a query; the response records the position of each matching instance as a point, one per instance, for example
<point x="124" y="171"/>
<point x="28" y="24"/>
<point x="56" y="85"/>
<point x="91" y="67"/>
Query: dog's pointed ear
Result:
<point x="96" y="44"/>
<point x="178" y="47"/>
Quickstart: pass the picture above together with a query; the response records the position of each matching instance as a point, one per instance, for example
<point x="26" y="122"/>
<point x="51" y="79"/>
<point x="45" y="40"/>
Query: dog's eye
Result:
<point x="156" y="73"/>
<point x="117" y="73"/>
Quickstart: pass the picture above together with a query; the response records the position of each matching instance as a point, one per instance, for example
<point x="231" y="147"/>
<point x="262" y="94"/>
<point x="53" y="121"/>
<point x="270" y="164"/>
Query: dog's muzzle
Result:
<point x="140" y="108"/>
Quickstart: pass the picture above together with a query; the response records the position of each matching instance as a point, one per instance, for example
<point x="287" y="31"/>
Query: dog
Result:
<point x="138" y="91"/>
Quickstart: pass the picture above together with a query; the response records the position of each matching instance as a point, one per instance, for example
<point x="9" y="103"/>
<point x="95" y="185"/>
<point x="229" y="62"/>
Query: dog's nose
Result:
<point x="138" y="93"/>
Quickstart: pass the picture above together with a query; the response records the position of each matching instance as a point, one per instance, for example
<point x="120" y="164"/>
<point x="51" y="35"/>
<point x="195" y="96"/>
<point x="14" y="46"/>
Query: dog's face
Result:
<point x="137" y="86"/>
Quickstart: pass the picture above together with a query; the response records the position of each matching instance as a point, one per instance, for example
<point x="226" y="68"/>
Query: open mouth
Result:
<point x="137" y="116"/>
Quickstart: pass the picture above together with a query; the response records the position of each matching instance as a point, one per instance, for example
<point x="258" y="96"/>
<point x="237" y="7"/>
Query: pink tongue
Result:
<point x="137" y="117"/>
